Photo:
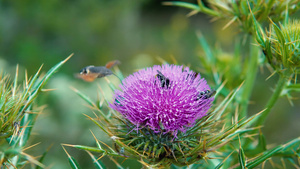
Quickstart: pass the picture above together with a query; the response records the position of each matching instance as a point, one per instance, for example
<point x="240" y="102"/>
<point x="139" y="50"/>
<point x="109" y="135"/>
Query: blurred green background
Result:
<point x="136" y="32"/>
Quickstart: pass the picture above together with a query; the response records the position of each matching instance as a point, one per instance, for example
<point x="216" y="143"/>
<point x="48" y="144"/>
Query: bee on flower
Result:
<point x="147" y="104"/>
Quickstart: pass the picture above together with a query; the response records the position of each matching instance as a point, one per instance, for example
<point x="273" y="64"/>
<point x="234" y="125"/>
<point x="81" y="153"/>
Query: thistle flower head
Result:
<point x="168" y="105"/>
<point x="166" y="98"/>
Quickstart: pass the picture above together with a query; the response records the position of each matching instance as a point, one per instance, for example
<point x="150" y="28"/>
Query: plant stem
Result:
<point x="250" y="79"/>
<point x="279" y="87"/>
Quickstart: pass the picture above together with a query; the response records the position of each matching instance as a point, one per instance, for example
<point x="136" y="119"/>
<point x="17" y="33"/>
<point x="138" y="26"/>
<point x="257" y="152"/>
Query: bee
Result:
<point x="90" y="73"/>
<point x="192" y="76"/>
<point x="206" y="94"/>
<point x="163" y="80"/>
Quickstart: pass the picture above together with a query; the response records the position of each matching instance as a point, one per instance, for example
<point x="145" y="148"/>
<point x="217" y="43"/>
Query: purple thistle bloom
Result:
<point x="164" y="99"/>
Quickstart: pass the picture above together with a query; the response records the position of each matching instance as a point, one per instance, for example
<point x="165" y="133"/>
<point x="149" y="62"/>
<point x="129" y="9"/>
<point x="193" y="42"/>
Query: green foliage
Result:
<point x="229" y="137"/>
<point x="224" y="138"/>
<point x="18" y="115"/>
<point x="280" y="46"/>
<point x="240" y="11"/>
<point x="281" y="150"/>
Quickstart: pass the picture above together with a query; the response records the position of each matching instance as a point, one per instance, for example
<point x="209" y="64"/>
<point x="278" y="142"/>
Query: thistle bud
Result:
<point x="10" y="100"/>
<point x="281" y="45"/>
<point x="285" y="45"/>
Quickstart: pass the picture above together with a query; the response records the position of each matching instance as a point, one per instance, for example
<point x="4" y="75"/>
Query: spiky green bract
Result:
<point x="238" y="11"/>
<point x="285" y="45"/>
<point x="18" y="115"/>
<point x="10" y="103"/>
<point x="155" y="150"/>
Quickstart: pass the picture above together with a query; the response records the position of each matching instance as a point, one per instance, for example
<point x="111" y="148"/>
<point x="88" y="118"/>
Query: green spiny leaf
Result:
<point x="244" y="7"/>
<point x="279" y="34"/>
<point x="127" y="148"/>
<point x="110" y="84"/>
<point x="98" y="164"/>
<point x="208" y="53"/>
<point x="232" y="130"/>
<point x="84" y="97"/>
<point x="43" y="156"/>
<point x="146" y="145"/>
<point x="221" y="164"/>
<point x="29" y="119"/>
<point x="52" y="71"/>
<point x="183" y="4"/>
<point x="87" y="148"/>
<point x="258" y="32"/>
<point x="235" y="8"/>
<point x="293" y="87"/>
<point x="292" y="143"/>
<point x="100" y="126"/>
<point x="208" y="11"/>
<point x="154" y="149"/>
<point x="262" y="141"/>
<point x="269" y="153"/>
<point x="218" y="111"/>
<point x="15" y="81"/>
<point x="73" y="163"/>
<point x="264" y="157"/>
<point x="242" y="158"/>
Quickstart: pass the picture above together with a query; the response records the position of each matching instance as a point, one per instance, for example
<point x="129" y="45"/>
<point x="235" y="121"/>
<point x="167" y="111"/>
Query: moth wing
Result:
<point x="86" y="77"/>
<point x="112" y="64"/>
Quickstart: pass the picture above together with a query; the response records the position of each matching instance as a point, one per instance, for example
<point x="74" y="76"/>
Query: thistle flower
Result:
<point x="164" y="99"/>
<point x="169" y="107"/>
